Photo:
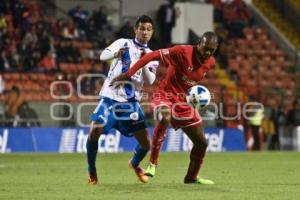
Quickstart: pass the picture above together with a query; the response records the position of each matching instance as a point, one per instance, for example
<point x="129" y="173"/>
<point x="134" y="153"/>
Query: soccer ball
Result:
<point x="198" y="96"/>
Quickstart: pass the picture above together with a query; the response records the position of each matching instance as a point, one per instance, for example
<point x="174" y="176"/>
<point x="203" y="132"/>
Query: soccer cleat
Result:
<point x="150" y="171"/>
<point x="199" y="181"/>
<point x="93" y="179"/>
<point x="139" y="173"/>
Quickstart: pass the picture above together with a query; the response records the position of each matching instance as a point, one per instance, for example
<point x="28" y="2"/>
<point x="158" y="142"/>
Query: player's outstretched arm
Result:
<point x="155" y="55"/>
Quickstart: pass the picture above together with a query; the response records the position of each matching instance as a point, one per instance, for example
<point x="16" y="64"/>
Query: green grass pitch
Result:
<point x="240" y="176"/>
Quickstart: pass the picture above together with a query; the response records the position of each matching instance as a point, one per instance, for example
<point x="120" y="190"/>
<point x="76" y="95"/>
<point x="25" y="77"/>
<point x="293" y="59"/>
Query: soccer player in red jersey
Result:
<point x="187" y="65"/>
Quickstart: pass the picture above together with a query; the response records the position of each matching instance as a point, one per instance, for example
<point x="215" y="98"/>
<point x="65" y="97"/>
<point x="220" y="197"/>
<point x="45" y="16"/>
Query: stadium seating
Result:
<point x="283" y="25"/>
<point x="35" y="85"/>
<point x="259" y="63"/>
<point x="255" y="66"/>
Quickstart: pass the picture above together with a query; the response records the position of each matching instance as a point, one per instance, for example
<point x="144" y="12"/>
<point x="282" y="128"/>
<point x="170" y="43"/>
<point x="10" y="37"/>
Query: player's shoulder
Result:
<point x="175" y="50"/>
<point x="122" y="41"/>
<point x="212" y="60"/>
<point x="183" y="48"/>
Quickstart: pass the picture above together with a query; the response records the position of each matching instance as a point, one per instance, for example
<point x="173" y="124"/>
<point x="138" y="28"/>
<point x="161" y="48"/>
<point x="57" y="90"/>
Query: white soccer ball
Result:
<point x="198" y="96"/>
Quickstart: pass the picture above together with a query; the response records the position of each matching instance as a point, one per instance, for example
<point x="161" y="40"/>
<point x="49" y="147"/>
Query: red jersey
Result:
<point x="184" y="68"/>
<point x="184" y="71"/>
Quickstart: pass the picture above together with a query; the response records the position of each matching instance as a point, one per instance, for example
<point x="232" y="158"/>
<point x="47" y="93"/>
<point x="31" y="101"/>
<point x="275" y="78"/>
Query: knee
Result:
<point x="94" y="133"/>
<point x="146" y="145"/>
<point x="202" y="144"/>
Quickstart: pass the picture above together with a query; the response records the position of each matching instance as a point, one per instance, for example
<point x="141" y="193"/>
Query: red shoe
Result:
<point x="139" y="173"/>
<point x="93" y="179"/>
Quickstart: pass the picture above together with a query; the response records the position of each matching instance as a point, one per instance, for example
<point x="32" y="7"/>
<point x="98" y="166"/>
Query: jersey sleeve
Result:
<point x="164" y="55"/>
<point x="152" y="56"/>
<point x="167" y="55"/>
<point x="109" y="52"/>
<point x="152" y="66"/>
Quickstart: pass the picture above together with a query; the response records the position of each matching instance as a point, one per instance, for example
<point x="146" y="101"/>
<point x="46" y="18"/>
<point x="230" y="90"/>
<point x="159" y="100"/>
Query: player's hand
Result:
<point x="120" y="53"/>
<point x="119" y="81"/>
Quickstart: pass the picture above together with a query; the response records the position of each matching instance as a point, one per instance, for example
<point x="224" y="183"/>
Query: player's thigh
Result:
<point x="196" y="135"/>
<point x="143" y="138"/>
<point x="102" y="119"/>
<point x="130" y="118"/>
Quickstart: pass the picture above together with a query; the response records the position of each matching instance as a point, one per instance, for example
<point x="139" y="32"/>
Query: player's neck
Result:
<point x="199" y="57"/>
<point x="136" y="42"/>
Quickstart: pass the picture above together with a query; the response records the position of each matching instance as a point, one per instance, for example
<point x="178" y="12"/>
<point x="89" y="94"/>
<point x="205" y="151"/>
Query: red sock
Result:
<point x="196" y="160"/>
<point x="159" y="136"/>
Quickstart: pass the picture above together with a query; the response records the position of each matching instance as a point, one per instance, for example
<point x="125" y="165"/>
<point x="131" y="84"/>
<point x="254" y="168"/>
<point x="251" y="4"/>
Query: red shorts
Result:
<point x="182" y="114"/>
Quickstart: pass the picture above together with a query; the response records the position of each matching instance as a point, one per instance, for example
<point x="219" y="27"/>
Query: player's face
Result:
<point x="206" y="49"/>
<point x="144" y="32"/>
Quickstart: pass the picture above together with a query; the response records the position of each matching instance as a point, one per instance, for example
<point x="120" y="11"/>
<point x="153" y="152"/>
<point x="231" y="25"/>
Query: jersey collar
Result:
<point x="139" y="44"/>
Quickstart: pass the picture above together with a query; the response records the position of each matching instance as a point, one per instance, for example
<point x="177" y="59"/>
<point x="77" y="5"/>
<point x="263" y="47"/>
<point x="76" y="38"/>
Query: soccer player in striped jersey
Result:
<point x="187" y="65"/>
<point x="118" y="107"/>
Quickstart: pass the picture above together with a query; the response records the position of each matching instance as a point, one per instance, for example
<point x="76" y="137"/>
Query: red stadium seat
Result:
<point x="64" y="67"/>
<point x="7" y="76"/>
<point x="233" y="64"/>
<point x="16" y="76"/>
<point x="34" y="76"/>
<point x="270" y="45"/>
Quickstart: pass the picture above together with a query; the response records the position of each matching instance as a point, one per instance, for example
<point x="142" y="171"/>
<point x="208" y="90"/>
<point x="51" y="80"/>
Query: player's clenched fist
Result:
<point x="119" y="53"/>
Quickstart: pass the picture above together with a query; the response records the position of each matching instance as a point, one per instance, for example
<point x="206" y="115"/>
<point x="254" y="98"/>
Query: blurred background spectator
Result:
<point x="13" y="103"/>
<point x="166" y="19"/>
<point x="293" y="119"/>
<point x="126" y="31"/>
<point x="255" y="122"/>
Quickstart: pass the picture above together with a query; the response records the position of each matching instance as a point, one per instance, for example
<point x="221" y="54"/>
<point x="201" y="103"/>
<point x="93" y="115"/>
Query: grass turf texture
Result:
<point x="237" y="176"/>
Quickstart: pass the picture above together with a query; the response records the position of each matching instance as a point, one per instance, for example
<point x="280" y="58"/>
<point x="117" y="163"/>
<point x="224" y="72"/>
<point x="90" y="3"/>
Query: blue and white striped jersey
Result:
<point x="121" y="65"/>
